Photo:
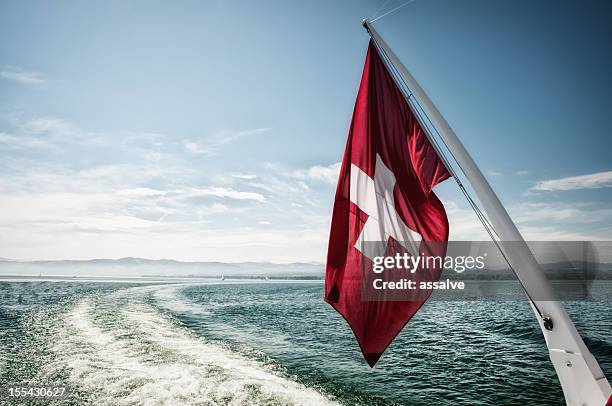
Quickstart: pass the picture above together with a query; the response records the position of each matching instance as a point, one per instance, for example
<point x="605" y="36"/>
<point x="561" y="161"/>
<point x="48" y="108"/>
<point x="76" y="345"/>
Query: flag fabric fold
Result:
<point x="384" y="192"/>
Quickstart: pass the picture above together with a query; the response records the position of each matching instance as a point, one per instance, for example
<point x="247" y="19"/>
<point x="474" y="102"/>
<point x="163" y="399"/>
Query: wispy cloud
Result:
<point x="227" y="137"/>
<point x="244" y="176"/>
<point x="223" y="192"/>
<point x="44" y="125"/>
<point x="560" y="213"/>
<point x="19" y="75"/>
<point x="328" y="174"/>
<point x="46" y="132"/>
<point x="14" y="142"/>
<point x="590" y="181"/>
<point x="194" y="148"/>
<point x="210" y="145"/>
<point x="537" y="221"/>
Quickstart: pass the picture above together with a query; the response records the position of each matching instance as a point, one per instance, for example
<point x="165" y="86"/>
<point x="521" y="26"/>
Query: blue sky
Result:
<point x="212" y="130"/>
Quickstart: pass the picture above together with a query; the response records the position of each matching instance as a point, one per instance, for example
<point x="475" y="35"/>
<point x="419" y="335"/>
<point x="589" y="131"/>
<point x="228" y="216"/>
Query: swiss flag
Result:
<point x="384" y="194"/>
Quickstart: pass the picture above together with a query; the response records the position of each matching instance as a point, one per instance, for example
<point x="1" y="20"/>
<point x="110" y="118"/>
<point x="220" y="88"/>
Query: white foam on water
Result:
<point x="167" y="298"/>
<point x="142" y="357"/>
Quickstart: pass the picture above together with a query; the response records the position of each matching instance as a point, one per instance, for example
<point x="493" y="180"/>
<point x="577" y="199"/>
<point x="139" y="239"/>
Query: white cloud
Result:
<point x="45" y="125"/>
<point x="209" y="145"/>
<point x="590" y="181"/>
<point x="463" y="223"/>
<point x="224" y="192"/>
<point x="226" y="137"/>
<point x="218" y="208"/>
<point x="523" y="172"/>
<point x="15" y="142"/>
<point x="46" y="132"/>
<point x="328" y="174"/>
<point x="244" y="176"/>
<point x="194" y="148"/>
<point x="21" y="76"/>
<point x="536" y="221"/>
<point x="141" y="192"/>
<point x="560" y="213"/>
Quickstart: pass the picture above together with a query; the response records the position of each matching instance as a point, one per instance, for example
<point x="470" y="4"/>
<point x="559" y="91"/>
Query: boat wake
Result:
<point x="119" y="348"/>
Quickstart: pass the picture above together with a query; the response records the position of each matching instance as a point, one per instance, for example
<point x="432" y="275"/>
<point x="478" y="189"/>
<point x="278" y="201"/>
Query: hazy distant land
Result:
<point x="140" y="267"/>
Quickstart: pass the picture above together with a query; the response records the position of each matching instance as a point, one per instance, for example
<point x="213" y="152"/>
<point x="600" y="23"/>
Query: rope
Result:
<point x="379" y="9"/>
<point x="420" y="112"/>
<point x="392" y="11"/>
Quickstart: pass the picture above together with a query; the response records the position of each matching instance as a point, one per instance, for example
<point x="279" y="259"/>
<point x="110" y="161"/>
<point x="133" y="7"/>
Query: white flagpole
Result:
<point x="581" y="378"/>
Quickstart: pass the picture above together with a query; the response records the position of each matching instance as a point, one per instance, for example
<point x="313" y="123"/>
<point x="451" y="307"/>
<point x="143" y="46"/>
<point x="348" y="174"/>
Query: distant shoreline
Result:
<point x="149" y="279"/>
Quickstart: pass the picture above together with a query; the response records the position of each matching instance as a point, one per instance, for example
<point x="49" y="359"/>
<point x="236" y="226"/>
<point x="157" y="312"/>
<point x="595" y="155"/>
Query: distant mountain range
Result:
<point x="159" y="267"/>
<point x="136" y="267"/>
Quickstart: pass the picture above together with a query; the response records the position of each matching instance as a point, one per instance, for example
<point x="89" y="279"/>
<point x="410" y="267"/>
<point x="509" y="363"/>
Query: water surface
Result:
<point x="272" y="344"/>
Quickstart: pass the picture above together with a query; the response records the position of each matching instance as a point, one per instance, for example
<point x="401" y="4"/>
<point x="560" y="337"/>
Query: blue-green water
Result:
<point x="272" y="344"/>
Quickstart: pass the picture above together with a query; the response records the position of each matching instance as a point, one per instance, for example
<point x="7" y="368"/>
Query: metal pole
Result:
<point x="581" y="378"/>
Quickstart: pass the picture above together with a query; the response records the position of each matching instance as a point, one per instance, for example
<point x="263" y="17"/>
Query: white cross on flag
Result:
<point x="375" y="198"/>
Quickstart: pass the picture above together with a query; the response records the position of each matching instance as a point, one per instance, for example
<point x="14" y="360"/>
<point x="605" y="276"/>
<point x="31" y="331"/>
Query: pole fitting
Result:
<point x="366" y="24"/>
<point x="548" y="323"/>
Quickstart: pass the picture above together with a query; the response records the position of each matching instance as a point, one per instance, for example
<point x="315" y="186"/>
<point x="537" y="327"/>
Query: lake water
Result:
<point x="273" y="344"/>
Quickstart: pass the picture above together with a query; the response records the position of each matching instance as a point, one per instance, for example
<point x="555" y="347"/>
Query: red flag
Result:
<point x="384" y="189"/>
